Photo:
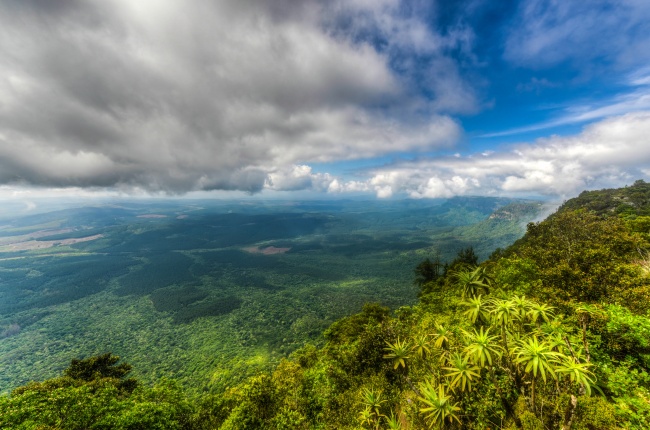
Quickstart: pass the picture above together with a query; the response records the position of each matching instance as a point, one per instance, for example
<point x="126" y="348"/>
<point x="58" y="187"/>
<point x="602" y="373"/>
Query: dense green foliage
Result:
<point x="183" y="291"/>
<point x="553" y="332"/>
<point x="631" y="201"/>
<point x="94" y="394"/>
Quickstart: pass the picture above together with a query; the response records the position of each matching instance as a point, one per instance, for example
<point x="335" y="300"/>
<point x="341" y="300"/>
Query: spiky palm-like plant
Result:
<point x="522" y="305"/>
<point x="393" y="422"/>
<point x="372" y="400"/>
<point x="585" y="312"/>
<point x="441" y="335"/>
<point x="578" y="373"/>
<point x="555" y="328"/>
<point x="475" y="309"/>
<point x="461" y="372"/>
<point x="472" y="281"/>
<point x="536" y="357"/>
<point x="421" y="345"/>
<point x="438" y="408"/>
<point x="504" y="313"/>
<point x="366" y="417"/>
<point x="539" y="312"/>
<point x="481" y="347"/>
<point x="371" y="414"/>
<point x="399" y="352"/>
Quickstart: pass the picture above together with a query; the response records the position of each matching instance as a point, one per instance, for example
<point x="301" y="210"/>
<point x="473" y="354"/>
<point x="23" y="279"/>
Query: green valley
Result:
<point x="209" y="292"/>
<point x="549" y="332"/>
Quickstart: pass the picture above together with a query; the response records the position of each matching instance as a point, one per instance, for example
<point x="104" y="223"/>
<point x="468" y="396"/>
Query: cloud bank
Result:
<point x="179" y="96"/>
<point x="612" y="152"/>
<point x="172" y="97"/>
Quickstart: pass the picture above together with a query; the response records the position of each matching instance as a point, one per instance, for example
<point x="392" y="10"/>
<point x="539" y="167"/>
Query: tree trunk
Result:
<point x="568" y="344"/>
<point x="584" y="337"/>
<point x="506" y="404"/>
<point x="532" y="394"/>
<point x="570" y="412"/>
<point x="415" y="390"/>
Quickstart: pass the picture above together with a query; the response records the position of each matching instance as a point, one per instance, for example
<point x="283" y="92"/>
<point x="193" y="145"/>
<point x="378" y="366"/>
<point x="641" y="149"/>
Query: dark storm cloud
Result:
<point x="178" y="96"/>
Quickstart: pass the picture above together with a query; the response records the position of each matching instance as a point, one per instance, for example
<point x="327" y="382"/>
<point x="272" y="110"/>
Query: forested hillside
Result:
<point x="552" y="332"/>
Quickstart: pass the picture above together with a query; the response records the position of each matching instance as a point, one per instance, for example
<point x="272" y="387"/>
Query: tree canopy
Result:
<point x="553" y="332"/>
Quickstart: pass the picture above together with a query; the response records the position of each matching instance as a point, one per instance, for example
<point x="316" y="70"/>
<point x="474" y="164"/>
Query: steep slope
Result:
<point x="633" y="200"/>
<point x="477" y="353"/>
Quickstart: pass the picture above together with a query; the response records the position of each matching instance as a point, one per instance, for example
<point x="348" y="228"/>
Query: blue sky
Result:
<point x="385" y="98"/>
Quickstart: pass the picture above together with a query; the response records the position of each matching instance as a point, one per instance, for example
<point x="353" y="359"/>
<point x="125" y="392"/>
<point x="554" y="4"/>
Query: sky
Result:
<point x="313" y="98"/>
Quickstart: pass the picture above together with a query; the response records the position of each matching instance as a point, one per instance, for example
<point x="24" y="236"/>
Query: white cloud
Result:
<point x="550" y="32"/>
<point x="298" y="177"/>
<point x="636" y="100"/>
<point x="339" y="186"/>
<point x="178" y="96"/>
<point x="613" y="152"/>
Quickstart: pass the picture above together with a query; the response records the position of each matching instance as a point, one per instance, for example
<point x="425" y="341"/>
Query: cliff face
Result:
<point x="516" y="211"/>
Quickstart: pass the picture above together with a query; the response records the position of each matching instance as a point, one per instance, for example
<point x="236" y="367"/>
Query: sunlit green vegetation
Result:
<point x="176" y="289"/>
<point x="552" y="332"/>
